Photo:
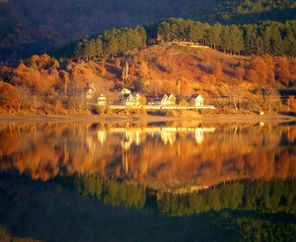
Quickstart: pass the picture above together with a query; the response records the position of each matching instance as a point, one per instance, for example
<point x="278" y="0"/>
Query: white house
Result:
<point x="125" y="91"/>
<point x="137" y="99"/>
<point x="90" y="91"/>
<point x="164" y="100"/>
<point x="172" y="99"/>
<point x="168" y="100"/>
<point x="102" y="100"/>
<point x="132" y="100"/>
<point x="198" y="101"/>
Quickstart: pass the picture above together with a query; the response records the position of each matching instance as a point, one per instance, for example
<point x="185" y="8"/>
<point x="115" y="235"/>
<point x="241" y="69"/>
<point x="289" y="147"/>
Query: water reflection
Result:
<point x="168" y="135"/>
<point x="166" y="157"/>
<point x="44" y="211"/>
<point x="239" y="180"/>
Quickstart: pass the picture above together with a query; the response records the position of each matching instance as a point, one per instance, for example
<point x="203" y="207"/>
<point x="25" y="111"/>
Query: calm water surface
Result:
<point x="147" y="182"/>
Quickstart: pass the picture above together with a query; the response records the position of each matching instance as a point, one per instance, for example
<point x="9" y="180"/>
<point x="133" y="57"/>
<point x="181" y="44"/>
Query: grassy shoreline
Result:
<point x="207" y="118"/>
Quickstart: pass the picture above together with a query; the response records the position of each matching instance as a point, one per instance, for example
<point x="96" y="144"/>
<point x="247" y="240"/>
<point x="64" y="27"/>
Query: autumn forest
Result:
<point x="214" y="60"/>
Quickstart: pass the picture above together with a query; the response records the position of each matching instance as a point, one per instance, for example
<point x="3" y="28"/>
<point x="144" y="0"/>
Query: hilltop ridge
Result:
<point x="34" y="27"/>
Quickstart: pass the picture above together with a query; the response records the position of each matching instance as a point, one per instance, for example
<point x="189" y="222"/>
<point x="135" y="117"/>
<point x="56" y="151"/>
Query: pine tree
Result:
<point x="213" y="35"/>
<point x="99" y="47"/>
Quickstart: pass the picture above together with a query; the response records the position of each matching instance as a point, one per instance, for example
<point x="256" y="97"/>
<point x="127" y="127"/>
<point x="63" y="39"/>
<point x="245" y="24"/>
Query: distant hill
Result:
<point x="34" y="26"/>
<point x="232" y="83"/>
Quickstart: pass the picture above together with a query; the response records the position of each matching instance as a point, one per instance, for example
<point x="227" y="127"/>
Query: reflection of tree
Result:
<point x="256" y="229"/>
<point x="85" y="219"/>
<point x="276" y="196"/>
<point x="229" y="152"/>
<point x="272" y="197"/>
<point x="111" y="191"/>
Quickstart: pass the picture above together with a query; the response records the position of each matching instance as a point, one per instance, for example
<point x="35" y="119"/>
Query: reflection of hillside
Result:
<point x="165" y="157"/>
<point x="47" y="211"/>
<point x="275" y="196"/>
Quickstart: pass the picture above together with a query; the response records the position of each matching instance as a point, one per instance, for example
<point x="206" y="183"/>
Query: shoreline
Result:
<point x="207" y="118"/>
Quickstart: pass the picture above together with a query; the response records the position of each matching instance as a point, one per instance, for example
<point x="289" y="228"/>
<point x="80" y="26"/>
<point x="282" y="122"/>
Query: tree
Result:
<point x="283" y="75"/>
<point x="59" y="108"/>
<point x="102" y="67"/>
<point x="125" y="70"/>
<point x="183" y="103"/>
<point x="250" y="36"/>
<point x="272" y="39"/>
<point x="91" y="49"/>
<point x="196" y="30"/>
<point x="217" y="71"/>
<point x="290" y="43"/>
<point x="237" y="42"/>
<point x="143" y="69"/>
<point x="117" y="62"/>
<point x="143" y="100"/>
<point x="111" y="42"/>
<point x="292" y="103"/>
<point x="282" y="71"/>
<point x="257" y="64"/>
<point x="9" y="96"/>
<point x="99" y="47"/>
<point x="252" y="76"/>
<point x="239" y="72"/>
<point x="226" y="41"/>
<point x="213" y="35"/>
<point x="164" y="31"/>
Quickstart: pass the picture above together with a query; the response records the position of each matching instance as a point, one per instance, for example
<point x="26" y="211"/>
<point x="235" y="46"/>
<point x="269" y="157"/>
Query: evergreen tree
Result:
<point x="213" y="35"/>
<point x="99" y="47"/>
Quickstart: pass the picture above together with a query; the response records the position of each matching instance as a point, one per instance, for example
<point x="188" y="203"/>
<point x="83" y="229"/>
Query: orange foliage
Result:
<point x="230" y="152"/>
<point x="292" y="103"/>
<point x="217" y="71"/>
<point x="252" y="76"/>
<point x="59" y="108"/>
<point x="211" y="79"/>
<point x="9" y="95"/>
<point x="239" y="73"/>
<point x="258" y="65"/>
<point x="40" y="81"/>
<point x="282" y="71"/>
<point x="172" y="69"/>
<point x="283" y="75"/>
<point x="42" y="62"/>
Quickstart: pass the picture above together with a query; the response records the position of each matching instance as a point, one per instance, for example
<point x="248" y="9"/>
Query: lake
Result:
<point x="162" y="181"/>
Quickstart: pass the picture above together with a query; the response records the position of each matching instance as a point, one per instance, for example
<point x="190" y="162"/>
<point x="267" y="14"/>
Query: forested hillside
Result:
<point x="33" y="26"/>
<point x="273" y="38"/>
<point x="45" y="85"/>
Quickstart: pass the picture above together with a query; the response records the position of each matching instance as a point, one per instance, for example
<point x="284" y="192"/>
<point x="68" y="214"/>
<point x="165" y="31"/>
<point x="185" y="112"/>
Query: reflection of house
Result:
<point x="90" y="145"/>
<point x="199" y="135"/>
<point x="198" y="101"/>
<point x="168" y="100"/>
<point x="168" y="136"/>
<point x="101" y="136"/>
<point x="131" y="137"/>
<point x="102" y="100"/>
